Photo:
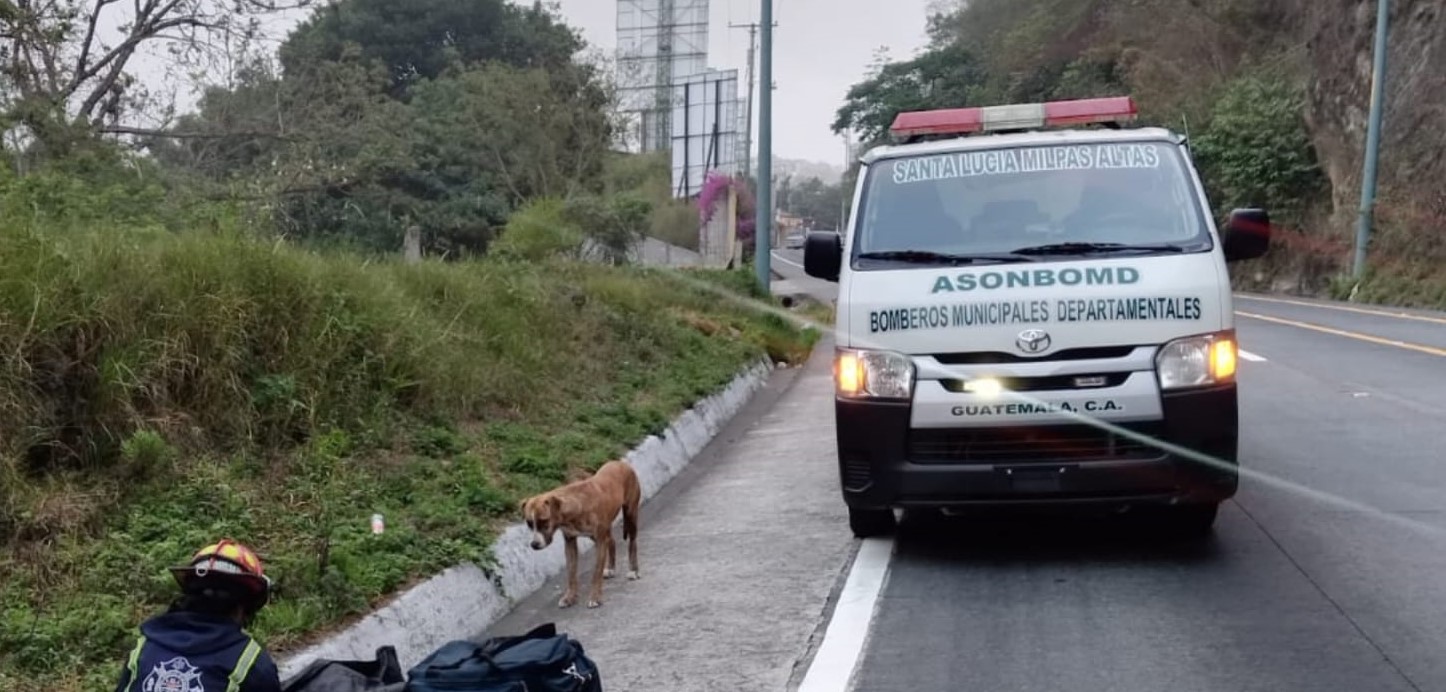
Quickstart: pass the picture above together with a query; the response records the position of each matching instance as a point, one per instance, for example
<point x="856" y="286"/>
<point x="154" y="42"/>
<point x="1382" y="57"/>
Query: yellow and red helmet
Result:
<point x="230" y="561"/>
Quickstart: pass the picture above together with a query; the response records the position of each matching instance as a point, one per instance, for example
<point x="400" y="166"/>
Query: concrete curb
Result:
<point x="466" y="599"/>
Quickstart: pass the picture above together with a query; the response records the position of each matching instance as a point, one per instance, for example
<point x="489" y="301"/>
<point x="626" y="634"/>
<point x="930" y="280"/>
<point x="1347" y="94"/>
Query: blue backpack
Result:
<point x="384" y="674"/>
<point x="540" y="661"/>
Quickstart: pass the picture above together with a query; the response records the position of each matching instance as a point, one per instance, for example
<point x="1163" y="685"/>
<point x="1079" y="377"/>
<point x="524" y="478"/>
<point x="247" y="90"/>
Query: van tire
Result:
<point x="868" y="523"/>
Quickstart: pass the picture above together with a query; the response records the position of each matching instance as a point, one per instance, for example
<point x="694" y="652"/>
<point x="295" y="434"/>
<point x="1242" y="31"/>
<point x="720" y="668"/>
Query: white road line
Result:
<point x="838" y="656"/>
<point x="1379" y="310"/>
<point x="785" y="260"/>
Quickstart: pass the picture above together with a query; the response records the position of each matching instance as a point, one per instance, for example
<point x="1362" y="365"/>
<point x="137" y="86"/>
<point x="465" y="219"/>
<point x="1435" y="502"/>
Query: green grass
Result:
<point x="1416" y="286"/>
<point x="818" y="313"/>
<point x="162" y="392"/>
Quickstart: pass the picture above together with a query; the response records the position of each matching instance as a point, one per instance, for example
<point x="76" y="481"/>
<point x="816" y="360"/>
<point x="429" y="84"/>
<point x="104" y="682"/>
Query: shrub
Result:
<point x="613" y="224"/>
<point x="1256" y="150"/>
<point x="541" y="229"/>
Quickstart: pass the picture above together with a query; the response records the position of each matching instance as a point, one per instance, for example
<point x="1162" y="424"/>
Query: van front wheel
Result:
<point x="867" y="523"/>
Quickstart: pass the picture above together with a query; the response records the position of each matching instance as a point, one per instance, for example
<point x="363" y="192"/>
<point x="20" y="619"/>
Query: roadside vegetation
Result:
<point x="211" y="327"/>
<point x="1269" y="92"/>
<point x="163" y="391"/>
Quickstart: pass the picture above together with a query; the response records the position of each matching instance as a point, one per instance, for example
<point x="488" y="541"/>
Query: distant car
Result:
<point x="794" y="240"/>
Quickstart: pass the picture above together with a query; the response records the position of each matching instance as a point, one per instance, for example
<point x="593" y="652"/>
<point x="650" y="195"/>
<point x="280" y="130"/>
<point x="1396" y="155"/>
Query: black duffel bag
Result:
<point x="540" y="661"/>
<point x="384" y="674"/>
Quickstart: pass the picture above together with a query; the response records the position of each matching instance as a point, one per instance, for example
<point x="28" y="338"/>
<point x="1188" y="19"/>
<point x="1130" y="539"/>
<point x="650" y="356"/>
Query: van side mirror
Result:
<point x="823" y="255"/>
<point x="1247" y="234"/>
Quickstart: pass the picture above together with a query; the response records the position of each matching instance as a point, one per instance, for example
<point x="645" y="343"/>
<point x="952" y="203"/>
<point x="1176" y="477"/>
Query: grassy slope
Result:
<point x="161" y="393"/>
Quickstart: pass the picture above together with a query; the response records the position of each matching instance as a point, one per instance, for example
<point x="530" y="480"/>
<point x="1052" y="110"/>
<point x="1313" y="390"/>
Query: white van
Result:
<point x="1034" y="316"/>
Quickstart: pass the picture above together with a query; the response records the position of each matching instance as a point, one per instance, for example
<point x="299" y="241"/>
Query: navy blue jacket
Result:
<point x="191" y="652"/>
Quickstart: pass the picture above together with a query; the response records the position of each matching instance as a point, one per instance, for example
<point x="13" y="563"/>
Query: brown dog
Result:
<point x="588" y="508"/>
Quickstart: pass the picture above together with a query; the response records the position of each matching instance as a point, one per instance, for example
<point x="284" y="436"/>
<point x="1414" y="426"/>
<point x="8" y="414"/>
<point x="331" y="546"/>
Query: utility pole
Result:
<point x="1373" y="139"/>
<point x="763" y="224"/>
<point x="748" y="128"/>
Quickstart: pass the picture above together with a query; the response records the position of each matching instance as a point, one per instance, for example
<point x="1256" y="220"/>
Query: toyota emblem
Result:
<point x="1032" y="341"/>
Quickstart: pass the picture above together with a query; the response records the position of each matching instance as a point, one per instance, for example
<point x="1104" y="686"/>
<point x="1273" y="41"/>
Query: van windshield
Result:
<point x="1022" y="203"/>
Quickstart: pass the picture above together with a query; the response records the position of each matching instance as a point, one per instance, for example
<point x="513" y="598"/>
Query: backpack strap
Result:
<point x="243" y="666"/>
<point x="133" y="663"/>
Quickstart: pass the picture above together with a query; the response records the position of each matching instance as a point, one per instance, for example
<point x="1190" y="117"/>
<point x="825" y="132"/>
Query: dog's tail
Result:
<point x="632" y="498"/>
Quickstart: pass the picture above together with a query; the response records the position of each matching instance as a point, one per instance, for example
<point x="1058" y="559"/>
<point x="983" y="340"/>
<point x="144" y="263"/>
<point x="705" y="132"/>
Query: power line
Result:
<point x="752" y="28"/>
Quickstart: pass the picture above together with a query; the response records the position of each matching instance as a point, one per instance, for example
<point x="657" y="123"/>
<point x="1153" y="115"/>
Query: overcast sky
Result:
<point x="821" y="48"/>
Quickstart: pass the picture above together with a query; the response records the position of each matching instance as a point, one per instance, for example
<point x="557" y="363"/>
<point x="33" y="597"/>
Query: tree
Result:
<point x="471" y="147"/>
<point x="365" y="130"/>
<point x="64" y="82"/>
<point x="1257" y="151"/>
<point x="232" y="130"/>
<point x="817" y="201"/>
<point x="940" y="77"/>
<point x="988" y="52"/>
<point x="347" y="166"/>
<point x="534" y="134"/>
<point x="419" y="40"/>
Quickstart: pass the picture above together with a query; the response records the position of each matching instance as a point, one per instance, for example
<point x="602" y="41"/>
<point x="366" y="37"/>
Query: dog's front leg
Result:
<point x="595" y="598"/>
<point x="569" y="596"/>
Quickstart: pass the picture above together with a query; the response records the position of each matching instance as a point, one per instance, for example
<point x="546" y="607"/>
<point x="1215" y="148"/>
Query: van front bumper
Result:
<point x="883" y="463"/>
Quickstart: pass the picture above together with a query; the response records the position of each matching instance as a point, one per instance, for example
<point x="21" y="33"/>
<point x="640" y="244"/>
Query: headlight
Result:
<point x="862" y="374"/>
<point x="1197" y="361"/>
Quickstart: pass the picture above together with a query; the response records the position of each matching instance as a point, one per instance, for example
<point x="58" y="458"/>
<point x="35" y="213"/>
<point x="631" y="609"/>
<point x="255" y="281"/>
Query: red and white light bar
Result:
<point x="1023" y="116"/>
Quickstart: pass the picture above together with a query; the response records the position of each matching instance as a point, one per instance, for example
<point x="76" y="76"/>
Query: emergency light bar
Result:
<point x="1024" y="116"/>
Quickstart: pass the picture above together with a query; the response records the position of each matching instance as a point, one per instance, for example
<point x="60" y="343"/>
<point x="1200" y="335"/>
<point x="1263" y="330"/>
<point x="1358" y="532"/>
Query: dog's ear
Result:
<point x="566" y="507"/>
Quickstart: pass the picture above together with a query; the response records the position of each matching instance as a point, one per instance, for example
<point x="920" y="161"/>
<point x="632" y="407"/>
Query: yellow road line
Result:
<point x="1347" y="308"/>
<point x="1432" y="350"/>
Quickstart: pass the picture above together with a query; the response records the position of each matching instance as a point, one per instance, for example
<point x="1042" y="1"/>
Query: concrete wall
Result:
<point x="655" y="253"/>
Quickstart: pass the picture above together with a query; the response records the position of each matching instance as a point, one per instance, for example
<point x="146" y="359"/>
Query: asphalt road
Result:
<point x="1327" y="572"/>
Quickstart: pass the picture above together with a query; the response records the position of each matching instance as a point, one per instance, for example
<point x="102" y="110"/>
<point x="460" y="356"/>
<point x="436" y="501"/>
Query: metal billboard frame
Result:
<point x="705" y="132"/>
<point x="660" y="43"/>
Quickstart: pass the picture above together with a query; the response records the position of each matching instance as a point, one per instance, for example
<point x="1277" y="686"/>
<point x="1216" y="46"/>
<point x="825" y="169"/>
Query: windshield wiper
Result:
<point x="1093" y="248"/>
<point x="928" y="257"/>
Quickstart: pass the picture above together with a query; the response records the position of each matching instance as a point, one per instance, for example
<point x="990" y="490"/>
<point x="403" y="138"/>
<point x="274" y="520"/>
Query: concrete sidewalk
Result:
<point x="739" y="555"/>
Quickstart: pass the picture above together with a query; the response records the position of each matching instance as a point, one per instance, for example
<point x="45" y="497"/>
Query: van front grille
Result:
<point x="1043" y="444"/>
<point x="997" y="357"/>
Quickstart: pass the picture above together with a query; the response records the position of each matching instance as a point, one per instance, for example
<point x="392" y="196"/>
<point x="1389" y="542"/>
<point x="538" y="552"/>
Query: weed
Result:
<point x="165" y="391"/>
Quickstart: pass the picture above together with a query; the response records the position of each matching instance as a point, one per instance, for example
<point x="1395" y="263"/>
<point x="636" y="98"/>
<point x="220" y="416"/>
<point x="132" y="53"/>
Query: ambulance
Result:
<point x="1034" y="311"/>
